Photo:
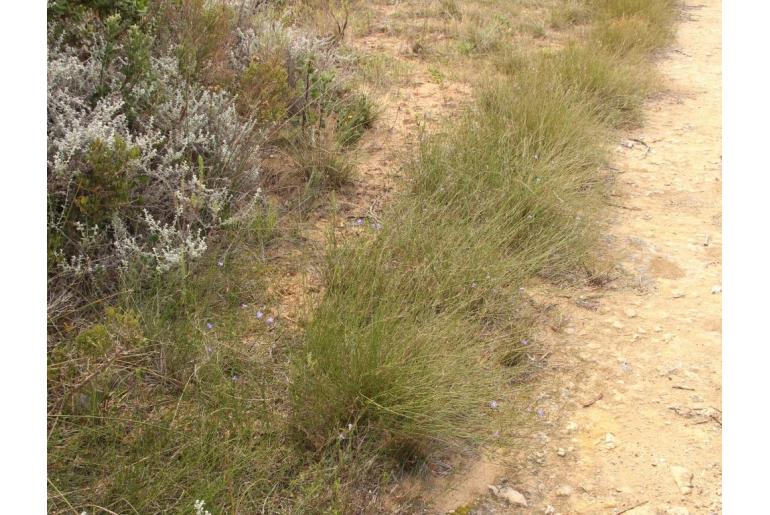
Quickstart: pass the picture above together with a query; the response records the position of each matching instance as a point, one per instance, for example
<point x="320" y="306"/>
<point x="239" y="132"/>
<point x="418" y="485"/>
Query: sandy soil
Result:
<point x="631" y="405"/>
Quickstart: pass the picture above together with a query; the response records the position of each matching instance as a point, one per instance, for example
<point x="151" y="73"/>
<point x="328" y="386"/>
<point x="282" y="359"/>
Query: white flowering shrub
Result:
<point x="174" y="165"/>
<point x="143" y="164"/>
<point x="157" y="113"/>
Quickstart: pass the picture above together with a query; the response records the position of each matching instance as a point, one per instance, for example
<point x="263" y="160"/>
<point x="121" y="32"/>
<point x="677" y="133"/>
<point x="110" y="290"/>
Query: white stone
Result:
<point x="509" y="495"/>
<point x="683" y="478"/>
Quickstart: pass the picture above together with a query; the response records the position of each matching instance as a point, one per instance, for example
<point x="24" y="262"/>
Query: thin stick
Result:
<point x="632" y="507"/>
<point x="630" y="208"/>
<point x="593" y="401"/>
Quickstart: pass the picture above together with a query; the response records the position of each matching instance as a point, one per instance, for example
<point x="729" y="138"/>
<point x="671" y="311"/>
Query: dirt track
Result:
<point x="636" y="395"/>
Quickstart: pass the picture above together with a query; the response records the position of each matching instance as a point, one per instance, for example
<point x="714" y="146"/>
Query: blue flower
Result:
<point x="210" y="325"/>
<point x="260" y="314"/>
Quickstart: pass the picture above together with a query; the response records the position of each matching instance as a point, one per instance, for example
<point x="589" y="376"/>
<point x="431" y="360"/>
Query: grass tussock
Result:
<point x="509" y="193"/>
<point x="512" y="191"/>
<point x="634" y="26"/>
<point x="570" y="13"/>
<point x="616" y="87"/>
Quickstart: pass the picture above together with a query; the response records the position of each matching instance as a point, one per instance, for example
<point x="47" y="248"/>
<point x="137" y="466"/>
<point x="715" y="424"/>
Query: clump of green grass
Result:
<point x="382" y="71"/>
<point x="319" y="161"/>
<point x="450" y="9"/>
<point x="512" y="191"/>
<point x="634" y="26"/>
<point x="535" y="28"/>
<point x="355" y="114"/>
<point x="570" y="13"/>
<point x="483" y="36"/>
<point x="407" y="345"/>
<point x="616" y="87"/>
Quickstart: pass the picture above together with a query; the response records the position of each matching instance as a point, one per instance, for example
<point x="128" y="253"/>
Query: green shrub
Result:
<point x="94" y="340"/>
<point x="264" y="90"/>
<point x="104" y="187"/>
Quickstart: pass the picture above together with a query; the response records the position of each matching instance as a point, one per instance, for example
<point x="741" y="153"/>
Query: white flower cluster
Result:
<point x="200" y="508"/>
<point x="271" y="37"/>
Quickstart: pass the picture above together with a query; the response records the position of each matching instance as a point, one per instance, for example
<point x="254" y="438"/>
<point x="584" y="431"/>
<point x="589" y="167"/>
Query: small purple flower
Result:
<point x="493" y="404"/>
<point x="359" y="221"/>
<point x="260" y="314"/>
<point x="270" y="321"/>
<point x="525" y="341"/>
<point x="378" y="226"/>
<point x="473" y="284"/>
<point x="540" y="412"/>
<point x="220" y="263"/>
<point x="210" y="325"/>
